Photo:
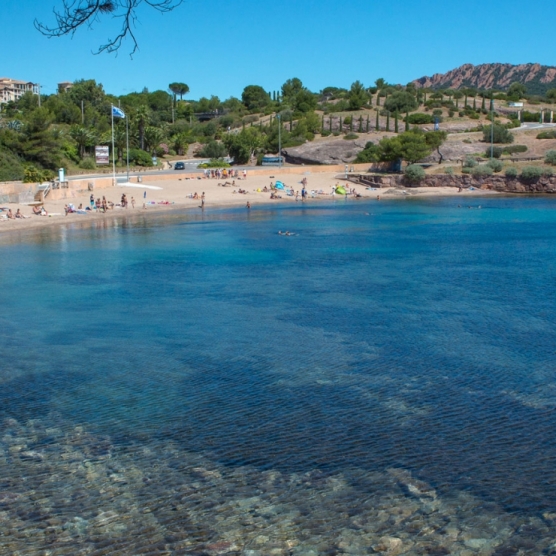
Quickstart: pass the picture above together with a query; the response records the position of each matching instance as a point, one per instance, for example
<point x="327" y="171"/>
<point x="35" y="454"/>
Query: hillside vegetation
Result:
<point x="64" y="129"/>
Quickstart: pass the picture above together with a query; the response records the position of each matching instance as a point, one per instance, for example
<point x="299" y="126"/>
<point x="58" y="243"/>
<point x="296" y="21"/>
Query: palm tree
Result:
<point x="141" y="117"/>
<point x="82" y="136"/>
<point x="153" y="138"/>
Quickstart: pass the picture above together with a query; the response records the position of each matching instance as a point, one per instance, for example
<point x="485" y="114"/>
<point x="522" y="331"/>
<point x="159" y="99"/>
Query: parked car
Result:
<point x="179" y="166"/>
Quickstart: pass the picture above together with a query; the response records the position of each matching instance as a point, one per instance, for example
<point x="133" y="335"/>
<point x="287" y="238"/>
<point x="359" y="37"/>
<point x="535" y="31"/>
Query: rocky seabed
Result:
<point x="65" y="490"/>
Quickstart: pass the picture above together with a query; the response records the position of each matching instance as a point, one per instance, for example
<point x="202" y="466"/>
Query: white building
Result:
<point x="13" y="89"/>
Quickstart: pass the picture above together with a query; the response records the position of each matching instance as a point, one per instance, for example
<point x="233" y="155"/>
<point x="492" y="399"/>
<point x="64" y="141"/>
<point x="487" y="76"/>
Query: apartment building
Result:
<point x="12" y="89"/>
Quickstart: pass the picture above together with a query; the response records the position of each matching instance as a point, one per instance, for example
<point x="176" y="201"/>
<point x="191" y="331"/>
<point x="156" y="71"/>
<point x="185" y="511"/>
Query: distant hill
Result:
<point x="538" y="79"/>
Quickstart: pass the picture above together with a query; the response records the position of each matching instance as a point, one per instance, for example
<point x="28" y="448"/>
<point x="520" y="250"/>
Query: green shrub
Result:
<point x="500" y="134"/>
<point x="511" y="172"/>
<point x="140" y="158"/>
<point x="10" y="166"/>
<point x="511" y="149"/>
<point x="474" y="116"/>
<point x="531" y="173"/>
<point x="419" y="118"/>
<point x="481" y="171"/>
<point x="550" y="134"/>
<point x="31" y="174"/>
<point x="415" y="173"/>
<point x="213" y="149"/>
<point x="215" y="164"/>
<point x="496" y="152"/>
<point x="496" y="165"/>
<point x="550" y="157"/>
<point x="469" y="162"/>
<point x="351" y="136"/>
<point x="88" y="163"/>
<point x="450" y="171"/>
<point x="325" y="133"/>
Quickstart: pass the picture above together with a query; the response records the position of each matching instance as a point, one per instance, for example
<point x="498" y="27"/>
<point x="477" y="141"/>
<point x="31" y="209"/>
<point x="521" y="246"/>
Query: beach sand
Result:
<point x="175" y="194"/>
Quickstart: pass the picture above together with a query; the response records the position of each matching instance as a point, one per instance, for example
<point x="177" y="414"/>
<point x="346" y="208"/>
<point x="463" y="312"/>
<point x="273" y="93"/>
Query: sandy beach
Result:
<point x="178" y="193"/>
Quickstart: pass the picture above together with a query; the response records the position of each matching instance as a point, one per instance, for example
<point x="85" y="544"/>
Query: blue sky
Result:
<point x="218" y="47"/>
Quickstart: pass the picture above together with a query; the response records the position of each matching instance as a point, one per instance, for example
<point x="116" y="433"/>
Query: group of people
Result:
<point x="217" y="173"/>
<point x="11" y="216"/>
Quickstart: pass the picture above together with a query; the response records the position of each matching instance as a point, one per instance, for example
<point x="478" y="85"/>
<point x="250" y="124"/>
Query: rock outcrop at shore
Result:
<point x="325" y="152"/>
<point x="493" y="183"/>
<point x="537" y="78"/>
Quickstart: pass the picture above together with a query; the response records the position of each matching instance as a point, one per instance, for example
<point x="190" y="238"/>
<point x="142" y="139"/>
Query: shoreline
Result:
<point x="174" y="196"/>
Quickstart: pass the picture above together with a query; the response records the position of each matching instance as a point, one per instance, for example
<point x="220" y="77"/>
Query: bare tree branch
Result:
<point x="78" y="13"/>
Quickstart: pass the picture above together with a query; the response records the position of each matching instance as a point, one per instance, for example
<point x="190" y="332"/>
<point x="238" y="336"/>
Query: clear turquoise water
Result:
<point x="202" y="385"/>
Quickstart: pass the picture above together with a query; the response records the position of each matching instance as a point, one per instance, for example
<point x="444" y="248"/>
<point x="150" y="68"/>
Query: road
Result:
<point x="191" y="166"/>
<point x="533" y="125"/>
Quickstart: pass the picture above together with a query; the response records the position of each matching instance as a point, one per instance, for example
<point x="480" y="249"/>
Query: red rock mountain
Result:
<point x="537" y="78"/>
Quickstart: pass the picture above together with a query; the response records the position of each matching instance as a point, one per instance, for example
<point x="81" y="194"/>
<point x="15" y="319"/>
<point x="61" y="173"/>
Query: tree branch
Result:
<point x="78" y="13"/>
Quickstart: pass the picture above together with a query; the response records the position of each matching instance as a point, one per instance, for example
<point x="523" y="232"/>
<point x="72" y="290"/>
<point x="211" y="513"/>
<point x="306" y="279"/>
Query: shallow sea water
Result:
<point x="382" y="382"/>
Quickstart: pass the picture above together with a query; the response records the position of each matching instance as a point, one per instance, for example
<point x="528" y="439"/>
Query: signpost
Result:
<point x="102" y="154"/>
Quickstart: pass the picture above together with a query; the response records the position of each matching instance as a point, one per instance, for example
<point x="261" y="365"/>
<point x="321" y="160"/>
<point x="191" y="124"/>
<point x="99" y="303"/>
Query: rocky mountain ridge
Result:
<point x="536" y="77"/>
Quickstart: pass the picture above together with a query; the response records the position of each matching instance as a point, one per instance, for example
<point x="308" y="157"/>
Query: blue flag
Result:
<point x="117" y="113"/>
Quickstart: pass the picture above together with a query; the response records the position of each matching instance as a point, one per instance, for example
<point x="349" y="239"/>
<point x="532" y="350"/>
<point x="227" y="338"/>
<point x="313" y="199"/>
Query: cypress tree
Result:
<point x="457" y="103"/>
<point x="322" y="123"/>
<point x="243" y="124"/>
<point x="483" y="103"/>
<point x="368" y="123"/>
<point x="330" y="123"/>
<point x="407" y="121"/>
<point x="340" y="125"/>
<point x="350" y="123"/>
<point x="425" y="97"/>
<point x="377" y="126"/>
<point x="465" y="105"/>
<point x="291" y="122"/>
<point x="387" y="121"/>
<point x="360" y="124"/>
<point x="378" y="99"/>
<point x="474" y="103"/>
<point x="396" y="128"/>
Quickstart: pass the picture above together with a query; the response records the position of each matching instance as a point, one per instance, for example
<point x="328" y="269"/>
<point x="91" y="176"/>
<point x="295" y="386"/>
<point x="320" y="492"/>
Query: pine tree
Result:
<point x="396" y="128"/>
<point x="407" y="121"/>
<point x="377" y="126"/>
<point x="387" y="121"/>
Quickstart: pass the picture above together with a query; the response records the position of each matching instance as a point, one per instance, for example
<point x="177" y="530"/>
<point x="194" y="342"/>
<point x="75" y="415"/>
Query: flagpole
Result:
<point x="127" y="144"/>
<point x="113" y="152"/>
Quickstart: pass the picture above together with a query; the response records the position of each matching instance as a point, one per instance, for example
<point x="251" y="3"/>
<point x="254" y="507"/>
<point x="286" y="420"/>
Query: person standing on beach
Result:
<point x="303" y="194"/>
<point x="248" y="205"/>
<point x="145" y="199"/>
<point x="132" y="202"/>
<point x="92" y="201"/>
